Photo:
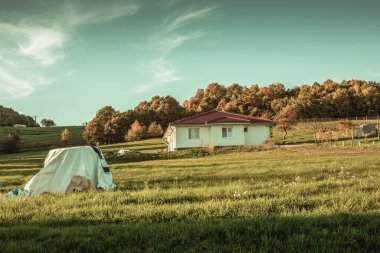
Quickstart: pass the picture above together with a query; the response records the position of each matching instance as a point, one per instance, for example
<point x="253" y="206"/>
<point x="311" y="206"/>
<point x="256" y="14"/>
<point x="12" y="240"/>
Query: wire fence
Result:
<point x="327" y="129"/>
<point x="331" y="119"/>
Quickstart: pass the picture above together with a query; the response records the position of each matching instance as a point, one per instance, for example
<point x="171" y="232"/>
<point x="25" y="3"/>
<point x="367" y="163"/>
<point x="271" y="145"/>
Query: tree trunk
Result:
<point x="284" y="136"/>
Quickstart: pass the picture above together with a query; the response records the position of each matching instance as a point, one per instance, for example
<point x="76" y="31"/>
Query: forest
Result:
<point x="329" y="100"/>
<point x="10" y="117"/>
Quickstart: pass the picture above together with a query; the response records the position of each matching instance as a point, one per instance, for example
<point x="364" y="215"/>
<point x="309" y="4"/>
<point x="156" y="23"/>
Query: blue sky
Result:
<point x="64" y="60"/>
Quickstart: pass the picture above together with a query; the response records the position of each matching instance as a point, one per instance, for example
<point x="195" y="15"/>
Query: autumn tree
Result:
<point x="285" y="119"/>
<point x="213" y="94"/>
<point x="330" y="99"/>
<point x="94" y="131"/>
<point x="155" y="130"/>
<point x="65" y="136"/>
<point x="136" y="133"/>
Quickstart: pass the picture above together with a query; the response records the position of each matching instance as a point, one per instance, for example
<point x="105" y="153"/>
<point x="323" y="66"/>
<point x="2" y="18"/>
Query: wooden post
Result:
<point x="378" y="128"/>
<point x="352" y="136"/>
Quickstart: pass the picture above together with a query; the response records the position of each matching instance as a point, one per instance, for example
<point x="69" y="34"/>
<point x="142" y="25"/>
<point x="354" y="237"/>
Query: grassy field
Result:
<point x="37" y="137"/>
<point x="274" y="200"/>
<point x="303" y="133"/>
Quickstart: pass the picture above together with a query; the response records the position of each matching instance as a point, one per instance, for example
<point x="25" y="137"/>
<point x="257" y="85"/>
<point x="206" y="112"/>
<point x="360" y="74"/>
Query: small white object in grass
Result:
<point x="123" y="151"/>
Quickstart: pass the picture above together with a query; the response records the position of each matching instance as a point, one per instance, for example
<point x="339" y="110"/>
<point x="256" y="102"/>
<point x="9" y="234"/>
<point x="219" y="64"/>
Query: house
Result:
<point x="217" y="128"/>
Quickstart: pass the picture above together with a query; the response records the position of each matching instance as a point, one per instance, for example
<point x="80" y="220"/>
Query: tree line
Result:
<point x="9" y="117"/>
<point x="328" y="99"/>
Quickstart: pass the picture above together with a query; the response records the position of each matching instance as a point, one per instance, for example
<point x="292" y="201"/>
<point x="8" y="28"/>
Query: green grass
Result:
<point x="303" y="133"/>
<point x="40" y="137"/>
<point x="258" y="201"/>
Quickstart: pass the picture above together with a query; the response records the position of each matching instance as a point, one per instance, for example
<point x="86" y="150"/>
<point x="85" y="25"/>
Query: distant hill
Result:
<point x="43" y="138"/>
<point x="9" y="117"/>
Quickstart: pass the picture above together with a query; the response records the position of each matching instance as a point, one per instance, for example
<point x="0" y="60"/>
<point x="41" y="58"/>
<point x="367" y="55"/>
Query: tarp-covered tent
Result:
<point x="72" y="169"/>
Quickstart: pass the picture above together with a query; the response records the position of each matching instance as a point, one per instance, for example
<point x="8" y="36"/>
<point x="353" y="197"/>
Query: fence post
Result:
<point x="378" y="128"/>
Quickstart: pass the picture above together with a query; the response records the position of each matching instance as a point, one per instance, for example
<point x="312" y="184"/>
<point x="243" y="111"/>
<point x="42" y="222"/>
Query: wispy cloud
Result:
<point x="186" y="18"/>
<point x="76" y="14"/>
<point x="12" y="85"/>
<point x="167" y="44"/>
<point x="165" y="40"/>
<point x="36" y="40"/>
<point x="160" y="72"/>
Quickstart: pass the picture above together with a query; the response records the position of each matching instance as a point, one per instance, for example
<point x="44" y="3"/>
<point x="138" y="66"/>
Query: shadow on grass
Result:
<point x="12" y="171"/>
<point x="333" y="233"/>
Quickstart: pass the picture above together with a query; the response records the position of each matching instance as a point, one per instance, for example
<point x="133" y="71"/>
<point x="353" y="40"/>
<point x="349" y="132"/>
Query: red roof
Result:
<point x="213" y="117"/>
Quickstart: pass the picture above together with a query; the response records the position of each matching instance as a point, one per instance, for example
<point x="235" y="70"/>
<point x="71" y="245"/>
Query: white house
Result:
<point x="217" y="129"/>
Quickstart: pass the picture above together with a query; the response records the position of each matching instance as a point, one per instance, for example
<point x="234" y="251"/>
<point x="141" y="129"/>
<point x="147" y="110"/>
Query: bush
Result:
<point x="155" y="130"/>
<point x="65" y="136"/>
<point x="12" y="144"/>
<point x="136" y="133"/>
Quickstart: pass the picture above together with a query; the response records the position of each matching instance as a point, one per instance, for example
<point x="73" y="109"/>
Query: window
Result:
<point x="193" y="133"/>
<point x="227" y="132"/>
<point x="246" y="129"/>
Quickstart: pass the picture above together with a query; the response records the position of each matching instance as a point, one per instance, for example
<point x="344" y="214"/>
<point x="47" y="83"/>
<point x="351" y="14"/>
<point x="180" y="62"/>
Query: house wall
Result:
<point x="183" y="141"/>
<point x="212" y="135"/>
<point x="256" y="135"/>
<point x="237" y="136"/>
<point x="173" y="141"/>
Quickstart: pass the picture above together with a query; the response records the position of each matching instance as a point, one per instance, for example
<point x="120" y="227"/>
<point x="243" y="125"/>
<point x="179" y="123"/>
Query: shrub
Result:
<point x="65" y="136"/>
<point x="155" y="130"/>
<point x="136" y="133"/>
<point x="12" y="144"/>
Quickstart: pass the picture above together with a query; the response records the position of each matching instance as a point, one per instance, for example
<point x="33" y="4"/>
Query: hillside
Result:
<point x="39" y="137"/>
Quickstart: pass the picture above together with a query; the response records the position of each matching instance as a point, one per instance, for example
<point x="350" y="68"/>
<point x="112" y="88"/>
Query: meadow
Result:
<point x="325" y="199"/>
<point x="43" y="137"/>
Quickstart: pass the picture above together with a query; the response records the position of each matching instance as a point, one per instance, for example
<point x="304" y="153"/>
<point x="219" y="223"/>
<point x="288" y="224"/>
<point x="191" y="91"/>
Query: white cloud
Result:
<point x="186" y="18"/>
<point x="36" y="41"/>
<point x="169" y="43"/>
<point x="75" y="15"/>
<point x="161" y="72"/>
<point x="13" y="86"/>
<point x="165" y="40"/>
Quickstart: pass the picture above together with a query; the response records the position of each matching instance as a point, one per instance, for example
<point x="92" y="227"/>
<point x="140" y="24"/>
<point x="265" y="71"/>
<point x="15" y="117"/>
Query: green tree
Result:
<point x="47" y="122"/>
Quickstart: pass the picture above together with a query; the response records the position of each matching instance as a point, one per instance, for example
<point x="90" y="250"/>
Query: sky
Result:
<point x="64" y="60"/>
